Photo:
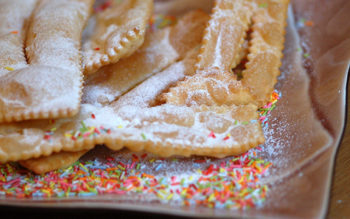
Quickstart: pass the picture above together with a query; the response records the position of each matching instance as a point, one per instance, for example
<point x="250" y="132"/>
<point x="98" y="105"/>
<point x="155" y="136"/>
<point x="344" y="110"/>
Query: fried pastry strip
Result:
<point x="30" y="139"/>
<point x="160" y="49"/>
<point x="50" y="85"/>
<point x="208" y="127"/>
<point x="265" y="53"/>
<point x="119" y="32"/>
<point x="167" y="129"/>
<point x="13" y="25"/>
<point x="222" y="49"/>
<point x="214" y="83"/>
<point x="136" y="97"/>
<point x="53" y="162"/>
<point x="225" y="35"/>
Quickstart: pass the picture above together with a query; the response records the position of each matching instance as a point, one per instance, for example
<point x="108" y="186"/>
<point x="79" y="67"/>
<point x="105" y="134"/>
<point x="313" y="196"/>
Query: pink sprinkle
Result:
<point x="86" y="134"/>
<point x="212" y="135"/>
<point x="132" y="165"/>
<point x="97" y="131"/>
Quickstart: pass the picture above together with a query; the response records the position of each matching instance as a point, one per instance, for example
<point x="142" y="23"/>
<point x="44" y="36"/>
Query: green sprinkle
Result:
<point x="143" y="136"/>
<point x="263" y="5"/>
<point x="182" y="181"/>
<point x="306" y="55"/>
<point x="84" y="128"/>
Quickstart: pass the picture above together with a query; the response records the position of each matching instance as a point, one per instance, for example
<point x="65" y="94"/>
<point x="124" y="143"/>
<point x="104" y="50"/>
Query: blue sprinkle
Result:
<point x="158" y="167"/>
<point x="86" y="194"/>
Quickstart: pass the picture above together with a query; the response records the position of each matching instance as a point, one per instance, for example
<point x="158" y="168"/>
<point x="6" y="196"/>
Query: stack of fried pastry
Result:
<point x="192" y="88"/>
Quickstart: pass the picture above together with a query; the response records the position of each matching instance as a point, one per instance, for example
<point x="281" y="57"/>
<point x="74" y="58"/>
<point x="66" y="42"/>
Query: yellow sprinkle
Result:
<point x="9" y="68"/>
<point x="244" y="191"/>
<point x="169" y="197"/>
<point x="191" y="178"/>
<point x="222" y="170"/>
<point x="211" y="197"/>
<point x="120" y="126"/>
<point x="68" y="135"/>
<point x="265" y="188"/>
<point x="83" y="167"/>
<point x="160" y="195"/>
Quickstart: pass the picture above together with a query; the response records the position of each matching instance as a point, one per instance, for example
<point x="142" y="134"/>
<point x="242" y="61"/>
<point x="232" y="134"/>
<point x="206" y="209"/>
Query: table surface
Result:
<point x="340" y="193"/>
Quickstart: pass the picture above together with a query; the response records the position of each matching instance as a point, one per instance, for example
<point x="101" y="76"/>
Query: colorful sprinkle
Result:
<point x="302" y="22"/>
<point x="231" y="183"/>
<point x="161" y="21"/>
<point x="306" y="55"/>
<point x="266" y="110"/>
<point x="309" y="23"/>
<point x="103" y="6"/>
<point x="86" y="132"/>
<point x="263" y="5"/>
<point x="9" y="68"/>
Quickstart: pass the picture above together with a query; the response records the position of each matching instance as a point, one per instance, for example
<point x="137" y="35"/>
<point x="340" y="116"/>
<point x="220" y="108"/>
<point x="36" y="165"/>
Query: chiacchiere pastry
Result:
<point x="28" y="139"/>
<point x="204" y="104"/>
<point x="40" y="64"/>
<point x="112" y="81"/>
<point x="52" y="162"/>
<point x="116" y="33"/>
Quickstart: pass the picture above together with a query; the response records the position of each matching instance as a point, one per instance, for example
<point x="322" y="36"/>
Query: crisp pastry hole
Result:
<point x="160" y="98"/>
<point x="238" y="70"/>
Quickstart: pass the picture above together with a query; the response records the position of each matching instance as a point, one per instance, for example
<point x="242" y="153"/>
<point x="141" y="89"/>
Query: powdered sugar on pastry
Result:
<point x="160" y="49"/>
<point x="223" y="49"/>
<point x="24" y="140"/>
<point x="214" y="83"/>
<point x="265" y="52"/>
<point x="13" y="25"/>
<point x="50" y="85"/>
<point x="119" y="31"/>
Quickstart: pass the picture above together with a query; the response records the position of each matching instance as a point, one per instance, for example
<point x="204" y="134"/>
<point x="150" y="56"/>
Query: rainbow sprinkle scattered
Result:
<point x="221" y="183"/>
<point x="86" y="132"/>
<point x="266" y="110"/>
<point x="232" y="182"/>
